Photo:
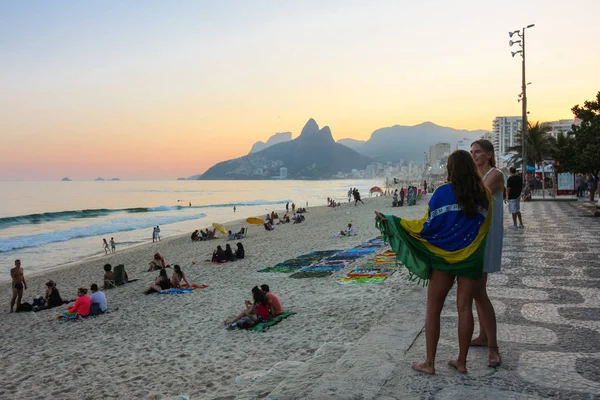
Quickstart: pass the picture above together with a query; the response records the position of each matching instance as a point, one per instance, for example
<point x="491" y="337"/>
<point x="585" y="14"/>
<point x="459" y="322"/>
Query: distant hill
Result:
<point x="279" y="137"/>
<point x="99" y="179"/>
<point x="312" y="155"/>
<point x="194" y="177"/>
<point x="408" y="142"/>
<point x="65" y="179"/>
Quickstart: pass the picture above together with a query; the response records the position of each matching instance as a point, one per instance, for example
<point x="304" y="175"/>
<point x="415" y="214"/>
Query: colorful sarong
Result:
<point x="444" y="239"/>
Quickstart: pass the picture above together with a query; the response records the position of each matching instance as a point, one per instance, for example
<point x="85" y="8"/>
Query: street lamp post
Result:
<point x="524" y="126"/>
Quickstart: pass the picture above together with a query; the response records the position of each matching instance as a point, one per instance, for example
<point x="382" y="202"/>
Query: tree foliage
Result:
<point x="581" y="151"/>
<point x="539" y="144"/>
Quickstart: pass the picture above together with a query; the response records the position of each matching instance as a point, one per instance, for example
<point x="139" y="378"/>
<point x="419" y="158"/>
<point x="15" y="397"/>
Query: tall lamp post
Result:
<point x="524" y="126"/>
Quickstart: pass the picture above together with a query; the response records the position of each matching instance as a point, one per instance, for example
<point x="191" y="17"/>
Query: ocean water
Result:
<point x="47" y="224"/>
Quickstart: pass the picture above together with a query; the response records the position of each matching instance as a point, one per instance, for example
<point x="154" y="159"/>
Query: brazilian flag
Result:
<point x="444" y="239"/>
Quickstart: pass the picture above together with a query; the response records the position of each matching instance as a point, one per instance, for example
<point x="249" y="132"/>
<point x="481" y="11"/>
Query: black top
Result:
<point x="54" y="299"/>
<point x="515" y="183"/>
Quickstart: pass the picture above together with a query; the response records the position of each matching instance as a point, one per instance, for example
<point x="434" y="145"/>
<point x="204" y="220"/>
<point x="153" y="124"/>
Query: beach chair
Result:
<point x="243" y="232"/>
<point x="119" y="275"/>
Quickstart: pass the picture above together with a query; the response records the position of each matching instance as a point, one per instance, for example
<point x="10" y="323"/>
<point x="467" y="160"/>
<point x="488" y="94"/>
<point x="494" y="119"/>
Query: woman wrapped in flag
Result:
<point x="447" y="243"/>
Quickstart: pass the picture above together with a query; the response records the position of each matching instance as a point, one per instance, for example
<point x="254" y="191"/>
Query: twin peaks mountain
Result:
<point x="312" y="155"/>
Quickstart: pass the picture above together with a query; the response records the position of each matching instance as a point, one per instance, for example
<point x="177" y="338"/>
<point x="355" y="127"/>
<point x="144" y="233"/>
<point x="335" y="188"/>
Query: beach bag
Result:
<point x="25" y="307"/>
<point x="38" y="301"/>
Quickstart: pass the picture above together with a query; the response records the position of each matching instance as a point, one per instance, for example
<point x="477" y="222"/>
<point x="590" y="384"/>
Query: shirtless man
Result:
<point x="18" y="284"/>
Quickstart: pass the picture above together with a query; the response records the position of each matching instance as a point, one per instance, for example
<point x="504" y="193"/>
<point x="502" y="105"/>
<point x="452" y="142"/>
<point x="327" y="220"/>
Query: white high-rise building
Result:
<point x="563" y="125"/>
<point x="283" y="173"/>
<point x="506" y="130"/>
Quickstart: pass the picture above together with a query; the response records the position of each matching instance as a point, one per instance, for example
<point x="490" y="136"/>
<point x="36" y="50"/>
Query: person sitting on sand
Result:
<point x="285" y="219"/>
<point x="195" y="236"/>
<point x="108" y="275"/>
<point x="161" y="282"/>
<point x="239" y="252"/>
<point x="255" y="311"/>
<point x="231" y="235"/>
<point x="52" y="297"/>
<point x="157" y="263"/>
<point x="98" y="301"/>
<point x="268" y="226"/>
<point x="81" y="307"/>
<point x="177" y="277"/>
<point x="274" y="303"/>
<point x="299" y="219"/>
<point x="348" y="232"/>
<point x="219" y="255"/>
<point x="229" y="254"/>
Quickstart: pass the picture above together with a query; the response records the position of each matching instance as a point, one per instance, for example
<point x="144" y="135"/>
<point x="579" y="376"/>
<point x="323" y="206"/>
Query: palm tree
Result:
<point x="540" y="145"/>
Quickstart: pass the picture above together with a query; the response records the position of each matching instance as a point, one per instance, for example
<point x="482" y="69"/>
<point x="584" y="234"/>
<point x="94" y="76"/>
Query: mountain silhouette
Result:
<point x="408" y="143"/>
<point x="279" y="137"/>
<point x="312" y="155"/>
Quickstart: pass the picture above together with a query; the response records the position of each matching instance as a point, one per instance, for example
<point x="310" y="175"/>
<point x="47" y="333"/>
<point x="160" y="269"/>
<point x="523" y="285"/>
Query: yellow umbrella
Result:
<point x="255" y="221"/>
<point x="220" y="228"/>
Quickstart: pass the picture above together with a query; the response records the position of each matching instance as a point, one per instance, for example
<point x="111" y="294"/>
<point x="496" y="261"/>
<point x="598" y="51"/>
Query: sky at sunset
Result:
<point x="149" y="90"/>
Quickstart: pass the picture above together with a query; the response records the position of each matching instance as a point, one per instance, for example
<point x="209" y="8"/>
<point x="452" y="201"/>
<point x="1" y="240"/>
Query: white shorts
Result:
<point x="514" y="205"/>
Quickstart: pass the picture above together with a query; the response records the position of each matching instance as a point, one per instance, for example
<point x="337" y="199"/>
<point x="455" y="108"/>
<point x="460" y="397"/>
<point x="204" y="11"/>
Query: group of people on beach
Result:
<point x="113" y="245"/>
<point x="156" y="234"/>
<point x="264" y="305"/>
<point x="469" y="206"/>
<point x="228" y="255"/>
<point x="162" y="281"/>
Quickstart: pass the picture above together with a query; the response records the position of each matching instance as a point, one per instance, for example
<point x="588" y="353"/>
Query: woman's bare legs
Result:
<point x="464" y="304"/>
<point x="439" y="286"/>
<point x="487" y="322"/>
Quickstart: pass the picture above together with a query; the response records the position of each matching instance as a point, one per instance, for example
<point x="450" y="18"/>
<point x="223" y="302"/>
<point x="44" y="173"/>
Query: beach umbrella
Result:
<point x="255" y="221"/>
<point x="220" y="228"/>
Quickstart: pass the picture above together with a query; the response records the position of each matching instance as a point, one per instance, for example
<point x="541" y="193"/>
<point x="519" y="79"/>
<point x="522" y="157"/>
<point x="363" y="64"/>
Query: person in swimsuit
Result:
<point x="105" y="244"/>
<point x="18" y="285"/>
<point x="161" y="282"/>
<point x="177" y="277"/>
<point x="158" y="262"/>
<point x="485" y="160"/>
<point x="113" y="245"/>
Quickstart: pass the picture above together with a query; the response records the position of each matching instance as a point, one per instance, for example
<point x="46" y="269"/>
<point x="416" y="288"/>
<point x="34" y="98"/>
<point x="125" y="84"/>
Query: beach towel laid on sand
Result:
<point x="424" y="244"/>
<point x="300" y="274"/>
<point x="361" y="279"/>
<point x="264" y="326"/>
<point x="175" y="291"/>
<point x="322" y="268"/>
<point x="296" y="263"/>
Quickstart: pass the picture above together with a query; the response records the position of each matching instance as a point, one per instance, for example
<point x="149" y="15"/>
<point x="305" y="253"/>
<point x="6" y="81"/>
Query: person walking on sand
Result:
<point x="158" y="232"/>
<point x="154" y="235"/>
<point x="233" y="208"/>
<point x="349" y="195"/>
<point x="443" y="247"/>
<point x="113" y="245"/>
<point x="485" y="160"/>
<point x="105" y="244"/>
<point x="287" y="207"/>
<point x="18" y="285"/>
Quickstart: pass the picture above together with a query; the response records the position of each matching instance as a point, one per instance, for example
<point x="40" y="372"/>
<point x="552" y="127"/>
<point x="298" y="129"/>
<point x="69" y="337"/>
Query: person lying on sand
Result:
<point x="255" y="311"/>
<point x="157" y="263"/>
<point x="161" y="282"/>
<point x="177" y="277"/>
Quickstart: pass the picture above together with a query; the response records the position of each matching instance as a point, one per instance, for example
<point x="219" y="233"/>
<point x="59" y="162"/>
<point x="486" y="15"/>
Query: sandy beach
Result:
<point x="161" y="346"/>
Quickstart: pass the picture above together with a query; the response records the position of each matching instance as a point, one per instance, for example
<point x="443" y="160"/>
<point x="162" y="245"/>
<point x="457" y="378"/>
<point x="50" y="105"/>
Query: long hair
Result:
<point x="489" y="147"/>
<point x="259" y="296"/>
<point x="467" y="185"/>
